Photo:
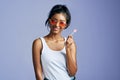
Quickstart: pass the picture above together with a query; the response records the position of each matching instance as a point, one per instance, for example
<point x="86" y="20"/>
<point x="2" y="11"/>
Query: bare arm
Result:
<point x="71" y="56"/>
<point x="36" y="56"/>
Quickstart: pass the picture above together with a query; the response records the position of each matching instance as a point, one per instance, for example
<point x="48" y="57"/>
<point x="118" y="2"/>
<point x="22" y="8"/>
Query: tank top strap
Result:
<point x="65" y="39"/>
<point x="44" y="43"/>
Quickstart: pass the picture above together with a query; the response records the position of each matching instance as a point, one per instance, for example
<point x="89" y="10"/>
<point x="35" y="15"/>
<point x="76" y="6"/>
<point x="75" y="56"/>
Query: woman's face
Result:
<point x="57" y="22"/>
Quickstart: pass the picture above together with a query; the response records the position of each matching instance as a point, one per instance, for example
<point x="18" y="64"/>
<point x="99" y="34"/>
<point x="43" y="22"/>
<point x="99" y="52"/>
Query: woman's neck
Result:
<point x="55" y="37"/>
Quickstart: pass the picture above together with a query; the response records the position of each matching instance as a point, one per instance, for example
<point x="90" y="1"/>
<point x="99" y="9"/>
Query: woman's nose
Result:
<point x="57" y="24"/>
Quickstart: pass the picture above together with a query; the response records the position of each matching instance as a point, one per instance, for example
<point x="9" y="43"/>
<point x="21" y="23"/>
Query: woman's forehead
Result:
<point x="59" y="16"/>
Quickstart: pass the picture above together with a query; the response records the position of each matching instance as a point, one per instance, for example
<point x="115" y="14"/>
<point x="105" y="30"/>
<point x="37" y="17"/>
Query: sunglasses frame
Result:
<point x="62" y="24"/>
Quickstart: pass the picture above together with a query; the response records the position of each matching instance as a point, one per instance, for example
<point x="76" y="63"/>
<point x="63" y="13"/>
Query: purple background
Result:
<point x="97" y="39"/>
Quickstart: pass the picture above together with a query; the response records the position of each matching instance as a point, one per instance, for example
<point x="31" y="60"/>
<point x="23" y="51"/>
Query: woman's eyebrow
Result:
<point x="62" y="20"/>
<point x="57" y="19"/>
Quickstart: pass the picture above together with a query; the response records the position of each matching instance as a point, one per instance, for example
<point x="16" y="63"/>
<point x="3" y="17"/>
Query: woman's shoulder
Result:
<point x="37" y="42"/>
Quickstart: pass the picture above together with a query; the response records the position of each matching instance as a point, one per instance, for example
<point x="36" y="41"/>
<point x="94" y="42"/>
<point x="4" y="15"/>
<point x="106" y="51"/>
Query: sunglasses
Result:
<point x="62" y="24"/>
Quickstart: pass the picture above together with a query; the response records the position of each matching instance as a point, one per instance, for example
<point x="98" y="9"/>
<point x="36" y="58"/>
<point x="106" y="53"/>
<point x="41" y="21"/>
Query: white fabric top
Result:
<point x="54" y="63"/>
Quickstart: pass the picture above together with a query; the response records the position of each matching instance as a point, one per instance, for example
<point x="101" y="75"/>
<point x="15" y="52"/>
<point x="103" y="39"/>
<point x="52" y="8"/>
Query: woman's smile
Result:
<point x="56" y="28"/>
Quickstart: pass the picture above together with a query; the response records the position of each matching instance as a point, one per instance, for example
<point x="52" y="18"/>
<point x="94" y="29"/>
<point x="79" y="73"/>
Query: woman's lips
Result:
<point x="55" y="29"/>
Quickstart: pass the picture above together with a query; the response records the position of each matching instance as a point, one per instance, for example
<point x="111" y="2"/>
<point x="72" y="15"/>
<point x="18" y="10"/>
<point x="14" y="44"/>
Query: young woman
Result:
<point x="54" y="57"/>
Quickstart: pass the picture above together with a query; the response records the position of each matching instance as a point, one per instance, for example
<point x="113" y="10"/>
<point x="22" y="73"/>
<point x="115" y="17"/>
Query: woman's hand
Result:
<point x="69" y="42"/>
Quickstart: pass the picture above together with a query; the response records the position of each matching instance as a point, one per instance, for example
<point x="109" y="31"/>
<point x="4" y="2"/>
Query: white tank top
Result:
<point x="54" y="63"/>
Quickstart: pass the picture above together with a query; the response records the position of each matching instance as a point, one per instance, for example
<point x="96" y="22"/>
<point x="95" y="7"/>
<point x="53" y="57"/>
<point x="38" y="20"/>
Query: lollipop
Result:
<point x="74" y="31"/>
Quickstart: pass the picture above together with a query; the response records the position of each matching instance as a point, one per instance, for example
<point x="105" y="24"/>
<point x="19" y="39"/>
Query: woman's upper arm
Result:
<point x="36" y="56"/>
